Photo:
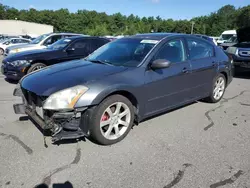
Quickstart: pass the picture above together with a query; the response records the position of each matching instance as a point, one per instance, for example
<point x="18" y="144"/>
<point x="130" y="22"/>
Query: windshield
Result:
<point x="60" y="44"/>
<point x="233" y="39"/>
<point x="226" y="36"/>
<point x="39" y="39"/>
<point x="123" y="52"/>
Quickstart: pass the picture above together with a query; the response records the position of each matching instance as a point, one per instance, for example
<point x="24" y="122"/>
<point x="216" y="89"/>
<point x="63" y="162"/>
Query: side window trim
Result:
<point x="185" y="50"/>
<point x="188" y="51"/>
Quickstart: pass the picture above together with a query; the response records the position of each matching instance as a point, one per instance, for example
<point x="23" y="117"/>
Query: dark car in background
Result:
<point x="17" y="65"/>
<point x="240" y="52"/>
<point x="123" y="82"/>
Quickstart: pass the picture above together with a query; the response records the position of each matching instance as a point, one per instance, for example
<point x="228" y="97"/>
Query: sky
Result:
<point x="175" y="9"/>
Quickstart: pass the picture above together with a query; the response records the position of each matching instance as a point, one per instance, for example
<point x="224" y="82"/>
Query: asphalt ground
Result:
<point x="200" y="145"/>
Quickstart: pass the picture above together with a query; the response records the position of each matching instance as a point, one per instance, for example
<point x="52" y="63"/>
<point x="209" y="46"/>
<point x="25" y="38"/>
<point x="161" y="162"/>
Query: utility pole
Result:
<point x="192" y="28"/>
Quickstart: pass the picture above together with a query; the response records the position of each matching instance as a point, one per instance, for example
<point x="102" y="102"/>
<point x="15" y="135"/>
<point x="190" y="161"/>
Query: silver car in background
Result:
<point x="39" y="43"/>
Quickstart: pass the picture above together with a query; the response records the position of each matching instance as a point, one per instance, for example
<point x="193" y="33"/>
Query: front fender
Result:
<point x="95" y="95"/>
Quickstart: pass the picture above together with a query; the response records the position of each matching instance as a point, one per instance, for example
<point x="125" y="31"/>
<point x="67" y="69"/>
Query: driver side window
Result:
<point x="173" y="51"/>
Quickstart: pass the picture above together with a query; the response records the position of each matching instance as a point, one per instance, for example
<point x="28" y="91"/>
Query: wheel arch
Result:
<point x="119" y="91"/>
<point x="224" y="73"/>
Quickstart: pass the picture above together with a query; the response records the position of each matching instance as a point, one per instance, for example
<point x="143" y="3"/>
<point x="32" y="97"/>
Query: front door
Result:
<point x="169" y="87"/>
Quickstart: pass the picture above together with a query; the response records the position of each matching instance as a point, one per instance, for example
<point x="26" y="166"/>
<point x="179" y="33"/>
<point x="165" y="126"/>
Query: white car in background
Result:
<point x="40" y="42"/>
<point x="225" y="36"/>
<point x="12" y="42"/>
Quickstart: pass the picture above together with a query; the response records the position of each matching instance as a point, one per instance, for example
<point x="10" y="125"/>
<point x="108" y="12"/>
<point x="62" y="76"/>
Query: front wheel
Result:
<point x="111" y="120"/>
<point x="218" y="91"/>
<point x="1" y="51"/>
<point x="35" y="67"/>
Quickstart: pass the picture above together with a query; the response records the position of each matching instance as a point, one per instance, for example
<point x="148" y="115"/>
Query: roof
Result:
<point x="229" y="32"/>
<point x="157" y="36"/>
<point x="65" y="33"/>
<point x="84" y="36"/>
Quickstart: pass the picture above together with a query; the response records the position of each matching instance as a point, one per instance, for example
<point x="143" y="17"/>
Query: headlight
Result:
<point x="15" y="51"/>
<point x="19" y="62"/>
<point x="65" y="99"/>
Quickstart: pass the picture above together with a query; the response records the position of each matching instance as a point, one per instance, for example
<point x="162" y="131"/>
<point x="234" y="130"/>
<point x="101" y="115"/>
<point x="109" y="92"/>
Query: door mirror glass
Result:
<point x="160" y="64"/>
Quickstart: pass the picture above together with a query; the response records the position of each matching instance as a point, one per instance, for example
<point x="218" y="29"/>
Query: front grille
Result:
<point x="33" y="99"/>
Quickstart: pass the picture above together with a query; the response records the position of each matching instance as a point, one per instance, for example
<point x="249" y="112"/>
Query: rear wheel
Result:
<point x="218" y="90"/>
<point x="1" y="51"/>
<point x="111" y="120"/>
<point x="35" y="67"/>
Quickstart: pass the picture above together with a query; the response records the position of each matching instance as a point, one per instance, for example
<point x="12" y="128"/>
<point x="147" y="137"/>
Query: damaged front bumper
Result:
<point x="62" y="124"/>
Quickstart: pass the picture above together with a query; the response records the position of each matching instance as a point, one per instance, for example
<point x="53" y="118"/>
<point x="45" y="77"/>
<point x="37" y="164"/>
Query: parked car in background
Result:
<point x="214" y="39"/>
<point x="4" y="37"/>
<point x="124" y="81"/>
<point x="205" y="37"/>
<point x="240" y="52"/>
<point x="12" y="42"/>
<point x="232" y="41"/>
<point x="17" y="65"/>
<point x="225" y="36"/>
<point x="40" y="42"/>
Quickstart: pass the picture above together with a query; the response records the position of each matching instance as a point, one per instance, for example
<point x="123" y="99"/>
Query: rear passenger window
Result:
<point x="172" y="51"/>
<point x="80" y="44"/>
<point x="97" y="43"/>
<point x="199" y="49"/>
<point x="52" y="39"/>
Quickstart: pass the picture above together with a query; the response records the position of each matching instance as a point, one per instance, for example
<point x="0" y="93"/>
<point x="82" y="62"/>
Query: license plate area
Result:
<point x="245" y="65"/>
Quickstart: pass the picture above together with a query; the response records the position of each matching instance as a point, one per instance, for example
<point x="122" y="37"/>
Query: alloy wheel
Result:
<point x="219" y="88"/>
<point x="37" y="68"/>
<point x="115" y="120"/>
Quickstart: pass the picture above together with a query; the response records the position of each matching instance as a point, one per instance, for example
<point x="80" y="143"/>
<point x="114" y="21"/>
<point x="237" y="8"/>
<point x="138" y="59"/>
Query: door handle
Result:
<point x="185" y="70"/>
<point x="213" y="64"/>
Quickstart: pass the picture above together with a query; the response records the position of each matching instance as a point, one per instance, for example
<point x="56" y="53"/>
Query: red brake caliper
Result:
<point x="105" y="117"/>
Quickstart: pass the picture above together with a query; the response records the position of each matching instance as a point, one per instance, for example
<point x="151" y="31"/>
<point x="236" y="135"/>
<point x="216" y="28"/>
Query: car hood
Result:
<point x="243" y="35"/>
<point x="65" y="75"/>
<point x="29" y="55"/>
<point x="21" y="46"/>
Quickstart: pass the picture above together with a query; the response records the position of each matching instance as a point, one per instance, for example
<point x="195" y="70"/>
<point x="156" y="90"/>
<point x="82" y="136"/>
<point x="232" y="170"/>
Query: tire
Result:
<point x="35" y="67"/>
<point x="216" y="98"/>
<point x="100" y="115"/>
<point x="1" y="51"/>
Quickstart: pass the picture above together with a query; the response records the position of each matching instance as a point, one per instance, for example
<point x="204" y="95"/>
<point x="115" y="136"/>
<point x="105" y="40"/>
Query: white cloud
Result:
<point x="31" y="6"/>
<point x="155" y="1"/>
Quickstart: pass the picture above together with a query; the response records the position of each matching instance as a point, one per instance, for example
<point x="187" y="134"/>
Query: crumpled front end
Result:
<point x="64" y="124"/>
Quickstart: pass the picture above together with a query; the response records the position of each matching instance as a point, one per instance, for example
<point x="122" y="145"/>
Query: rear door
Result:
<point x="96" y="43"/>
<point x="201" y="55"/>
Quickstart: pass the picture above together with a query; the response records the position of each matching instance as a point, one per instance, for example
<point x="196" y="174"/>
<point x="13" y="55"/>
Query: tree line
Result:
<point x="100" y="24"/>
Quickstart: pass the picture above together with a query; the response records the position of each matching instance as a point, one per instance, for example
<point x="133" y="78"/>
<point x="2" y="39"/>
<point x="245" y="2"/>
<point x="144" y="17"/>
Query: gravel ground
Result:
<point x="198" y="146"/>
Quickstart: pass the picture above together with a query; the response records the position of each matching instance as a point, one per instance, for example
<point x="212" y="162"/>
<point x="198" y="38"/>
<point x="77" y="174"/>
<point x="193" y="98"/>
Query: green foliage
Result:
<point x="99" y="24"/>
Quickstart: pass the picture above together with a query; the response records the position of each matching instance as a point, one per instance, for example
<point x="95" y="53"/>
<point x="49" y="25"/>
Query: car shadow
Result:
<point x="169" y="111"/>
<point x="11" y="81"/>
<point x="67" y="184"/>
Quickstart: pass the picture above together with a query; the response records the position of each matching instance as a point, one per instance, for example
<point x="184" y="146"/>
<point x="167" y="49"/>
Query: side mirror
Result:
<point x="160" y="64"/>
<point x="69" y="50"/>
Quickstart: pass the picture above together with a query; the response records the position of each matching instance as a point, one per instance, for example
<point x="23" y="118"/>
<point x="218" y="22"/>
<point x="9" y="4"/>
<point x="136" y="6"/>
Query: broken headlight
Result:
<point x="64" y="99"/>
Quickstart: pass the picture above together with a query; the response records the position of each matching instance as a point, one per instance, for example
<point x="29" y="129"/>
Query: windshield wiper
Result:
<point x="105" y="62"/>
